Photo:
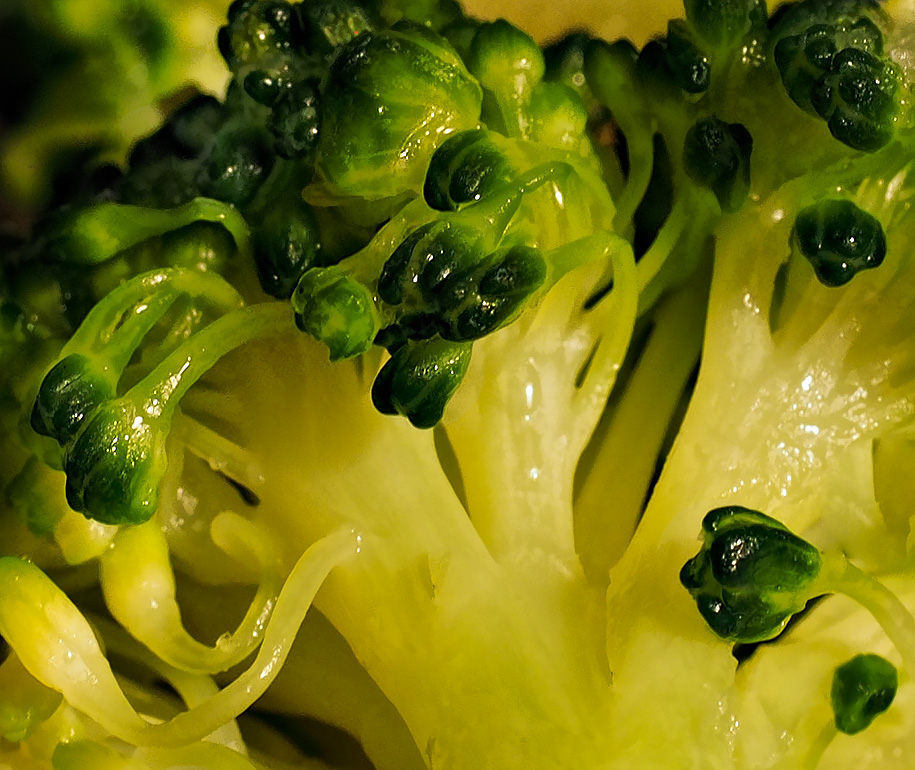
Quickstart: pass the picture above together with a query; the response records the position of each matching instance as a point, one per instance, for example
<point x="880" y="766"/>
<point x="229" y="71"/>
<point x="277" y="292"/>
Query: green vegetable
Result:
<point x="862" y="689"/>
<point x="621" y="294"/>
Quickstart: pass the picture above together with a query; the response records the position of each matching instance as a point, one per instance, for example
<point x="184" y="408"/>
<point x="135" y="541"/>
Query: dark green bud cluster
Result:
<point x="295" y="120"/>
<point x="114" y="464"/>
<point x="464" y="168"/>
<point x="441" y="281"/>
<point x="263" y="44"/>
<point x="518" y="101"/>
<point x="75" y="387"/>
<point x="286" y="244"/>
<point x="204" y="149"/>
<point x="750" y="575"/>
<point x="716" y="155"/>
<point x="859" y="99"/>
<point x="839" y="239"/>
<point x="862" y="689"/>
<point x="676" y="61"/>
<point x="420" y="378"/>
<point x="722" y="23"/>
<point x="831" y="60"/>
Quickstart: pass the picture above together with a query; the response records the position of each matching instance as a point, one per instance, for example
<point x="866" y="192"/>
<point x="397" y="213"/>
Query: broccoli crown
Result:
<point x="406" y="369"/>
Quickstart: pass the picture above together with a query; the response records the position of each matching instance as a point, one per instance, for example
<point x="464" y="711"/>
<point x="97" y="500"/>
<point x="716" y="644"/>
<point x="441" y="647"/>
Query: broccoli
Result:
<point x="365" y="412"/>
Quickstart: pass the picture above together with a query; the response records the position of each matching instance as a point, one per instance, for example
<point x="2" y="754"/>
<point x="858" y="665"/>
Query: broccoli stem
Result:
<point x="171" y="379"/>
<point x="842" y="577"/>
<point x="139" y="587"/>
<point x="610" y="501"/>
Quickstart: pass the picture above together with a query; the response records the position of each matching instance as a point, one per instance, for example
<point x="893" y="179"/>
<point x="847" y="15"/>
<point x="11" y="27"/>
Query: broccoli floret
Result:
<point x="391" y="386"/>
<point x="862" y="689"/>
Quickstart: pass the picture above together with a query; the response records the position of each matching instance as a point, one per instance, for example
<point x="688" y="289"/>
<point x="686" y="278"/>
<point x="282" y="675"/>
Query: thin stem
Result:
<point x="164" y="386"/>
<point x="616" y="317"/>
<point x="818" y="747"/>
<point x="103" y="323"/>
<point x="193" y="689"/>
<point x="640" y="145"/>
<point x="59" y="648"/>
<point x="841" y="576"/>
<point x="223" y="455"/>
<point x="139" y="587"/>
<point x="609" y="503"/>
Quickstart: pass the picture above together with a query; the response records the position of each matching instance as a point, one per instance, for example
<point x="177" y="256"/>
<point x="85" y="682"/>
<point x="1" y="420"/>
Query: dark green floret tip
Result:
<point x="70" y="392"/>
<point x="862" y="689"/>
<point x="295" y="121"/>
<point x="839" y="239"/>
<point x="750" y="575"/>
<point x="716" y="155"/>
<point x="287" y="243"/>
<point x="114" y="466"/>
<point x="832" y="64"/>
<point x="463" y="169"/>
<point x="419" y="379"/>
<point x="688" y="63"/>
<point x="492" y="294"/>
<point x="328" y="24"/>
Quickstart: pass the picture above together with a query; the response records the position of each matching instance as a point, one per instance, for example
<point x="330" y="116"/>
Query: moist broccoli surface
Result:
<point x="367" y="412"/>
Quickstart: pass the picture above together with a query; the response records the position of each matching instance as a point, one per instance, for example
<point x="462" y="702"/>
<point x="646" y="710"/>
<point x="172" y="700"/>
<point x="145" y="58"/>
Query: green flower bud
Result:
<point x="286" y="244"/>
<point x="334" y="308"/>
<point x="716" y="155"/>
<point x="477" y="302"/>
<point x="464" y="168"/>
<point x="688" y="63"/>
<point x="237" y="165"/>
<point x="862" y="689"/>
<point x="858" y="98"/>
<point x="419" y="380"/>
<point x="70" y="392"/>
<point x="295" y="120"/>
<point x="839" y="240"/>
<point x="390" y="98"/>
<point x="115" y="464"/>
<point x="750" y="575"/>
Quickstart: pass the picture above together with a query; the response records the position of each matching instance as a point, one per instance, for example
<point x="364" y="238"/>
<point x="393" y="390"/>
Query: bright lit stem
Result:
<point x="610" y="501"/>
<point x="817" y="748"/>
<point x="117" y="324"/>
<point x="683" y="232"/>
<point x="193" y="689"/>
<point x="59" y="648"/>
<point x="105" y="229"/>
<point x="538" y="401"/>
<point x="139" y="586"/>
<point x="157" y="395"/>
<point x="840" y="576"/>
<point x="223" y="455"/>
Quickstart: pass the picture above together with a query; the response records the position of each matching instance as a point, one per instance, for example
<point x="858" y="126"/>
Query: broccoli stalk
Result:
<point x="529" y="261"/>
